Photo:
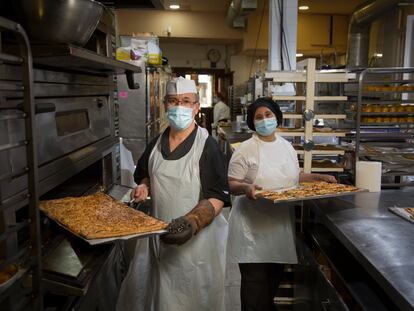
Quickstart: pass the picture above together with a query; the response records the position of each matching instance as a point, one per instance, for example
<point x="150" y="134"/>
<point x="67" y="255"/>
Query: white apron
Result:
<point x="177" y="278"/>
<point x="259" y="231"/>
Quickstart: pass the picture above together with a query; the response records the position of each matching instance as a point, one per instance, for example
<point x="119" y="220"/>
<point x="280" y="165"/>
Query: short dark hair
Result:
<point x="266" y="102"/>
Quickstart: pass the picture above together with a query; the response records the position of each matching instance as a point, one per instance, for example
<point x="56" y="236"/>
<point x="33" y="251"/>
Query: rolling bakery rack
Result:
<point x="384" y="121"/>
<point x="305" y="80"/>
<point x="19" y="223"/>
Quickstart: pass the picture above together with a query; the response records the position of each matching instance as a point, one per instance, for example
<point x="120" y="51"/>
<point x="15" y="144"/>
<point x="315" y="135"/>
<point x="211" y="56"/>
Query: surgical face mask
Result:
<point x="266" y="126"/>
<point x="180" y="117"/>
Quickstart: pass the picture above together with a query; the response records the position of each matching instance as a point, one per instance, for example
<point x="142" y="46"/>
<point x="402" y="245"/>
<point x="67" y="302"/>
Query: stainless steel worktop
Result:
<point x="232" y="137"/>
<point x="381" y="241"/>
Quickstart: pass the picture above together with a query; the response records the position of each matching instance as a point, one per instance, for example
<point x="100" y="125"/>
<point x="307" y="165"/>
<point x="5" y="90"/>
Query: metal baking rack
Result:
<point x="307" y="77"/>
<point x="384" y="121"/>
<point x="19" y="223"/>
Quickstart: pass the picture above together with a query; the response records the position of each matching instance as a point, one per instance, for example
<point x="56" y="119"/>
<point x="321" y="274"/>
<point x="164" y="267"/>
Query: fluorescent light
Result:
<point x="378" y="55"/>
<point x="174" y="6"/>
<point x="299" y="54"/>
<point x="304" y="7"/>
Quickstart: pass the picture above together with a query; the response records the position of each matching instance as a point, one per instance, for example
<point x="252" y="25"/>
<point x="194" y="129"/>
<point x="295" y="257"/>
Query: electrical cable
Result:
<point x="257" y="38"/>
<point x="282" y="63"/>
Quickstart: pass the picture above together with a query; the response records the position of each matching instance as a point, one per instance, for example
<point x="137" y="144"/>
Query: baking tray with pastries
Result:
<point x="390" y="108"/>
<point x="320" y="147"/>
<point x="111" y="219"/>
<point x="324" y="129"/>
<point x="388" y="88"/>
<point x="308" y="191"/>
<point x="394" y="113"/>
<point x="8" y="274"/>
<point x="387" y="120"/>
<point x="406" y="213"/>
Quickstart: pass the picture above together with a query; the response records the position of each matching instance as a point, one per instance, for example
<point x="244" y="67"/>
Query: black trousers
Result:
<point x="259" y="284"/>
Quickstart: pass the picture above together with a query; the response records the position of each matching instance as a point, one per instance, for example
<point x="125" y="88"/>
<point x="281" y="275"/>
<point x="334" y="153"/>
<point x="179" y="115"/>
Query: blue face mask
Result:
<point x="266" y="127"/>
<point x="180" y="117"/>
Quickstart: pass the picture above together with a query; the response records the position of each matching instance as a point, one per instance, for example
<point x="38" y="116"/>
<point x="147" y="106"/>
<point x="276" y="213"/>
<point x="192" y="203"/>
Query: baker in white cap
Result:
<point x="185" y="173"/>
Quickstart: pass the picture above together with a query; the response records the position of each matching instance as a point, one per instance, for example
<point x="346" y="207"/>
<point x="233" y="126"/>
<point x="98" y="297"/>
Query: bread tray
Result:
<point x="400" y="211"/>
<point x="313" y="197"/>
<point x="112" y="239"/>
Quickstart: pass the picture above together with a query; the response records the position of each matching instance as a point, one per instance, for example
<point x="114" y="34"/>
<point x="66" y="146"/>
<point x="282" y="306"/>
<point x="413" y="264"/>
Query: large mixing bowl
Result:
<point x="62" y="21"/>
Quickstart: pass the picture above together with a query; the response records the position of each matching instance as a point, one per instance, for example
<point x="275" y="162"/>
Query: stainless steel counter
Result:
<point x="232" y="137"/>
<point x="381" y="241"/>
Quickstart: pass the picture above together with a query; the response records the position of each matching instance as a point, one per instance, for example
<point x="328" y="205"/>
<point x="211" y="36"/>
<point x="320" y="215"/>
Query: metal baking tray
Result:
<point x="109" y="240"/>
<point x="399" y="211"/>
<point x="121" y="194"/>
<point x="314" y="197"/>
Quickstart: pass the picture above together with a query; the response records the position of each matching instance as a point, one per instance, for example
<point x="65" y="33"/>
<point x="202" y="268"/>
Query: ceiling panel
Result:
<point x="315" y="6"/>
<point x="330" y="6"/>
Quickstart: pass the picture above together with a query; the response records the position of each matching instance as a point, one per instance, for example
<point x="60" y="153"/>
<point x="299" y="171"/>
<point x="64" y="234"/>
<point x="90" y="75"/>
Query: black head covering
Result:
<point x="267" y="102"/>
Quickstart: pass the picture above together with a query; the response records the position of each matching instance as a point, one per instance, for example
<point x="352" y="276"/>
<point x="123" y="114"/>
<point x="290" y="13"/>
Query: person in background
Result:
<point x="185" y="173"/>
<point x="261" y="235"/>
<point x="221" y="112"/>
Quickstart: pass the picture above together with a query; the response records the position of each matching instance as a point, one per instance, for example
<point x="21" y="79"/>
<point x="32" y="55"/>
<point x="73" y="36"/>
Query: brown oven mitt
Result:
<point x="180" y="230"/>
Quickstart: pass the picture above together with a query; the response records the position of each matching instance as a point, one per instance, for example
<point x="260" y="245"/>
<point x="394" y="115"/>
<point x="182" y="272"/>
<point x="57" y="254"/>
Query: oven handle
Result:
<point x="130" y="80"/>
<point x="45" y="107"/>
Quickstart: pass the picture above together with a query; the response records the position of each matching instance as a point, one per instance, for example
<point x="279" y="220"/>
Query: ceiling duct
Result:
<point x="359" y="30"/>
<point x="238" y="10"/>
<point x="134" y="4"/>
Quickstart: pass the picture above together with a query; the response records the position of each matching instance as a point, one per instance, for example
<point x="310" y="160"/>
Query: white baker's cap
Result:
<point x="181" y="85"/>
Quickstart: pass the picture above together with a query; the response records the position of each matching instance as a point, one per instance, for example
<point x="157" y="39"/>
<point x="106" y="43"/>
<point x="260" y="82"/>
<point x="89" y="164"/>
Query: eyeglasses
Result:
<point x="172" y="101"/>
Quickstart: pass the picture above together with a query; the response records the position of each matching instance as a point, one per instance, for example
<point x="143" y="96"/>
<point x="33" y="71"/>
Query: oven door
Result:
<point x="67" y="124"/>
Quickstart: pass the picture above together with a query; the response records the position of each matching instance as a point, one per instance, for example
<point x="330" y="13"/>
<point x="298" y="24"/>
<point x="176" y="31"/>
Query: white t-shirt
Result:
<point x="220" y="112"/>
<point x="280" y="153"/>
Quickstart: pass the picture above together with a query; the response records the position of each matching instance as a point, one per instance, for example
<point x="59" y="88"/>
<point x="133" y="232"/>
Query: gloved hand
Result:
<point x="180" y="230"/>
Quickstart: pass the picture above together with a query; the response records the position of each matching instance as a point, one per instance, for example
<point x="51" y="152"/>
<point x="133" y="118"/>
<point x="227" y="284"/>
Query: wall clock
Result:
<point x="214" y="55"/>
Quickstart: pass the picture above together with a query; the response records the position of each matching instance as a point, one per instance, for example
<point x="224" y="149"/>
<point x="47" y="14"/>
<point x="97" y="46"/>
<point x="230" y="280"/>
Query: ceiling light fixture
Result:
<point x="304" y="7"/>
<point x="174" y="6"/>
<point x="299" y="54"/>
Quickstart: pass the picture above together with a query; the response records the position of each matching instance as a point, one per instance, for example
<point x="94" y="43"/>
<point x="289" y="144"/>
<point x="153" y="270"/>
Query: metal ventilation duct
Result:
<point x="238" y="10"/>
<point x="134" y="4"/>
<point x="359" y="30"/>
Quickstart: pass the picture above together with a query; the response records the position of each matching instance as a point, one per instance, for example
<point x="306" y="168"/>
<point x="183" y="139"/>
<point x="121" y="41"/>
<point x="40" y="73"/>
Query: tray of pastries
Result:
<point x="308" y="191"/>
<point x="404" y="212"/>
<point x="99" y="218"/>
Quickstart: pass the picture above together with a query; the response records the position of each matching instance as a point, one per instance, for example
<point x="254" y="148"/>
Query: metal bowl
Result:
<point x="61" y="21"/>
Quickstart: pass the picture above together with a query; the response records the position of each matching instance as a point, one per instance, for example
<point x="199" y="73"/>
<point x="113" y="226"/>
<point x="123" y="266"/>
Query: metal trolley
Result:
<point x="384" y="122"/>
<point x="19" y="219"/>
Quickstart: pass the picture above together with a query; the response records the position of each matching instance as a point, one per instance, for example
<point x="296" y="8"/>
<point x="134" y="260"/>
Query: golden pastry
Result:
<point x="377" y="108"/>
<point x="392" y="108"/>
<point x="111" y="218"/>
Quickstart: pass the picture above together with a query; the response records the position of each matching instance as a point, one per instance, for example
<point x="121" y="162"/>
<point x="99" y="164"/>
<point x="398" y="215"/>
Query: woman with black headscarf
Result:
<point x="262" y="236"/>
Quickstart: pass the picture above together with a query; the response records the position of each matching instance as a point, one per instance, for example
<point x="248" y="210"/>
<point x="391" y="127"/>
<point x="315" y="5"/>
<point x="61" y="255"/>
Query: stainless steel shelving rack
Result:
<point x="20" y="234"/>
<point x="390" y="90"/>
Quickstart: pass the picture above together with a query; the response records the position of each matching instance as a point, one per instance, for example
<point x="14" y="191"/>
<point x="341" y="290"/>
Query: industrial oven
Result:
<point x="69" y="96"/>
